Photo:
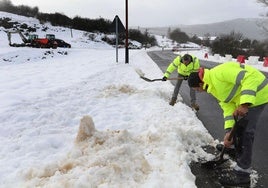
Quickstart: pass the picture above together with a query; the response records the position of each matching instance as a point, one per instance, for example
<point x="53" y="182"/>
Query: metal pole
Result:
<point x="116" y="31"/>
<point x="126" y="43"/>
<point x="71" y="32"/>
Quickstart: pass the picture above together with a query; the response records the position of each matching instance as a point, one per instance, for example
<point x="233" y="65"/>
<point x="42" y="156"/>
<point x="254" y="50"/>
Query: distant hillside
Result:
<point x="250" y="28"/>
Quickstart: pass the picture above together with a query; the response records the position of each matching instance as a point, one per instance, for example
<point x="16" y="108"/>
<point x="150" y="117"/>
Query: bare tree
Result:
<point x="263" y="23"/>
<point x="265" y="2"/>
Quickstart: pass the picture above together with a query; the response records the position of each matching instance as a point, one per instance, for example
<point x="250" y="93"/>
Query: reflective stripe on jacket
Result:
<point x="233" y="84"/>
<point x="181" y="67"/>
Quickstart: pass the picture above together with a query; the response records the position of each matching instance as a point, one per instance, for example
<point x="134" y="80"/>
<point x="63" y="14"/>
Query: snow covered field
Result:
<point x="76" y="118"/>
<point x="139" y="141"/>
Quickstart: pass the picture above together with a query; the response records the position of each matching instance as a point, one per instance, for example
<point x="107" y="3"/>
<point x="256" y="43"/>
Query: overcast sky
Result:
<point x="146" y="13"/>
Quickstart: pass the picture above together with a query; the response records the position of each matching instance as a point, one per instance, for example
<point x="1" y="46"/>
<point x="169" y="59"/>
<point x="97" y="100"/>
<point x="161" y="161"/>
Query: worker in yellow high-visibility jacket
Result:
<point x="184" y="65"/>
<point x="242" y="91"/>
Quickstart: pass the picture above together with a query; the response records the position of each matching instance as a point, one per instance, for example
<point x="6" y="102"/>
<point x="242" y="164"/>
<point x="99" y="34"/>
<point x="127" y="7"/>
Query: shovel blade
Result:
<point x="214" y="163"/>
<point x="139" y="72"/>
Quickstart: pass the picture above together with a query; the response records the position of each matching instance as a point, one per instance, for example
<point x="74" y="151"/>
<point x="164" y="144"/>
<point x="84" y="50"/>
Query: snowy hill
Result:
<point x="75" y="37"/>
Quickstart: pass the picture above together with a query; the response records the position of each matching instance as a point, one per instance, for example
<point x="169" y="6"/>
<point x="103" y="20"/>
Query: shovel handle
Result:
<point x="178" y="78"/>
<point x="231" y="135"/>
<point x="159" y="79"/>
<point x="233" y="130"/>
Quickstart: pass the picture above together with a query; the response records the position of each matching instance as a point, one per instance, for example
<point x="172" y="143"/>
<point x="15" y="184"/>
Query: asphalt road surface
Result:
<point x="211" y="116"/>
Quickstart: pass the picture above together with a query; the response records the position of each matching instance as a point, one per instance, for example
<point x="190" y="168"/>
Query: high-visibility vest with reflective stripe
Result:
<point x="233" y="84"/>
<point x="182" y="68"/>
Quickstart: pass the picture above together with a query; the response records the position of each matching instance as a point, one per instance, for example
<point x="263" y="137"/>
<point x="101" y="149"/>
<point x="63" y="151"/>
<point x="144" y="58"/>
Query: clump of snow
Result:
<point x="86" y="129"/>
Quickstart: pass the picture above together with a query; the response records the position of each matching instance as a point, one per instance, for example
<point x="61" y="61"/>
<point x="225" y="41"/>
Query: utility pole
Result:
<point x="126" y="42"/>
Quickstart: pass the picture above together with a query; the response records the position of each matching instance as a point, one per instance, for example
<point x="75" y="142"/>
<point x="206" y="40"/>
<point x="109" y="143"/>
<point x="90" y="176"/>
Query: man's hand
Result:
<point x="185" y="77"/>
<point x="227" y="143"/>
<point x="164" y="78"/>
<point x="241" y="110"/>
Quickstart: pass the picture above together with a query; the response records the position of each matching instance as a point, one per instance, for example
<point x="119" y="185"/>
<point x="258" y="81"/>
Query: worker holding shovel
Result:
<point x="242" y="91"/>
<point x="184" y="65"/>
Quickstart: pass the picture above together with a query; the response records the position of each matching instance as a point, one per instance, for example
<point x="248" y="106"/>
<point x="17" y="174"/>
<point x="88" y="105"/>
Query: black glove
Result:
<point x="185" y="77"/>
<point x="164" y="78"/>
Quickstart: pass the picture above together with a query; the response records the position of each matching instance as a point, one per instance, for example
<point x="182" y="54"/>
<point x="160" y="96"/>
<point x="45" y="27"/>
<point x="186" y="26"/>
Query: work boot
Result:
<point x="172" y="101"/>
<point x="234" y="177"/>
<point x="230" y="151"/>
<point x="195" y="106"/>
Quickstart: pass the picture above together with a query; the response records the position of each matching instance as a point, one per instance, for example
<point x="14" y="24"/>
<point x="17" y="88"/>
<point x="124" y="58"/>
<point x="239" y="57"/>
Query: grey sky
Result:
<point x="146" y="13"/>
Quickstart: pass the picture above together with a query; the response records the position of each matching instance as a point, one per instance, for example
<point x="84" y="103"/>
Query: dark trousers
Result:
<point x="244" y="136"/>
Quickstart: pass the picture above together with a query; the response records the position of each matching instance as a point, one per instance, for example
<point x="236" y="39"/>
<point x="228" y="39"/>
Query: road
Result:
<point x="211" y="116"/>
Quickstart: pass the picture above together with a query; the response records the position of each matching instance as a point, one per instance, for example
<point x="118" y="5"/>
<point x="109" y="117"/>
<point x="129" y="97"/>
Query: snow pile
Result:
<point x="115" y="158"/>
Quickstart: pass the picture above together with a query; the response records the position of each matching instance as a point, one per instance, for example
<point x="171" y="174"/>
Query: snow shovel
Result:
<point x="219" y="159"/>
<point x="141" y="74"/>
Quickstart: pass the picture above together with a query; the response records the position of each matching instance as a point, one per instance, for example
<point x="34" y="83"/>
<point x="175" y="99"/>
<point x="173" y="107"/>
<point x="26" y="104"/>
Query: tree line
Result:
<point x="232" y="43"/>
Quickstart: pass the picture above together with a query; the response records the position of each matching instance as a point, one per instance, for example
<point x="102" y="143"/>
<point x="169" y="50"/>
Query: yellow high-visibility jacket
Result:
<point x="233" y="84"/>
<point x="181" y="67"/>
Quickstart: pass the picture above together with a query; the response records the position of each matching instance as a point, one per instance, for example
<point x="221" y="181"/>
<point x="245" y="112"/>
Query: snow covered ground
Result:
<point x="76" y="118"/>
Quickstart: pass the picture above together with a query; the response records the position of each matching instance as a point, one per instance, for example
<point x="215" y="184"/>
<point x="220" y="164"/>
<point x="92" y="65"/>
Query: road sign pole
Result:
<point x="116" y="31"/>
<point x="126" y="43"/>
